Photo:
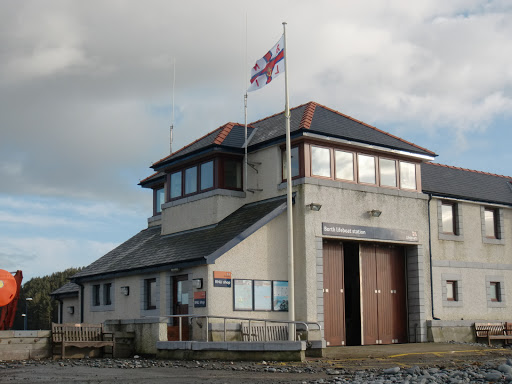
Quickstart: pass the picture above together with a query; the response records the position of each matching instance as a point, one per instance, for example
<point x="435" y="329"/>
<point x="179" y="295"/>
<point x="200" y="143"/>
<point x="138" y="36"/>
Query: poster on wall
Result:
<point x="199" y="299"/>
<point x="243" y="294"/>
<point x="280" y="299"/>
<point x="262" y="295"/>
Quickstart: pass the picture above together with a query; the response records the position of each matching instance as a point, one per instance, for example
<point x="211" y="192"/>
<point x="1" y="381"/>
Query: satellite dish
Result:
<point x="8" y="287"/>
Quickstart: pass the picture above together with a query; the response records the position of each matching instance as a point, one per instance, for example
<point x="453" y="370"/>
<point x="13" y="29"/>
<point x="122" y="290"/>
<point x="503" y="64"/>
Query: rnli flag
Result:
<point x="268" y="67"/>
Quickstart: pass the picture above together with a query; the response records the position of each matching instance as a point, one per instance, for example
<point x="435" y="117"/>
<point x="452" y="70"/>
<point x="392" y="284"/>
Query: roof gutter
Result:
<point x="193" y="155"/>
<point x="447" y="197"/>
<point x="161" y="268"/>
<point x="368" y="146"/>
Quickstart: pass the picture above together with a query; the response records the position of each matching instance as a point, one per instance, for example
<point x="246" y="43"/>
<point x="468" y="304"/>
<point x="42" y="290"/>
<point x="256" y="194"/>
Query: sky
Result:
<point x="86" y="91"/>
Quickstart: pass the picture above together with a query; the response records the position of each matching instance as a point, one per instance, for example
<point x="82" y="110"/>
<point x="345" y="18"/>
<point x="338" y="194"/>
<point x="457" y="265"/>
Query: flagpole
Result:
<point x="291" y="270"/>
<point x="246" y="144"/>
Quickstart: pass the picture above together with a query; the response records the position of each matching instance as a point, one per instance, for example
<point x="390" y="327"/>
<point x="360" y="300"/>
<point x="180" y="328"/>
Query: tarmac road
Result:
<point x="348" y="359"/>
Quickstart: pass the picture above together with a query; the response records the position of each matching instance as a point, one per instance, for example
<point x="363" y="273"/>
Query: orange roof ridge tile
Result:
<point x="307" y="116"/>
<point x="469" y="170"/>
<point x="226" y="128"/>
<point x="372" y="127"/>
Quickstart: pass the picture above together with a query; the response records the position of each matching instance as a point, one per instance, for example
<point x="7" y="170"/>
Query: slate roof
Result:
<point x="230" y="135"/>
<point x="317" y="118"/>
<point x="149" y="249"/>
<point x="310" y="117"/>
<point x="68" y="289"/>
<point x="153" y="179"/>
<point x="448" y="181"/>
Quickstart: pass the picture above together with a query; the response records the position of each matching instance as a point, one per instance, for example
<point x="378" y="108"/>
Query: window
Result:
<point x="232" y="174"/>
<point x="495" y="286"/>
<point x="387" y="172"/>
<point x="207" y="175"/>
<point x="495" y="291"/>
<point x="107" y="294"/>
<point x="295" y="163"/>
<point x="451" y="290"/>
<point x="190" y="180"/>
<point x="176" y="185"/>
<point x="491" y="225"/>
<point x="96" y="295"/>
<point x="448" y="216"/>
<point x="366" y="169"/>
<point x="407" y="175"/>
<point x="344" y="165"/>
<point x="320" y="161"/>
<point x="159" y="199"/>
<point x="150" y="293"/>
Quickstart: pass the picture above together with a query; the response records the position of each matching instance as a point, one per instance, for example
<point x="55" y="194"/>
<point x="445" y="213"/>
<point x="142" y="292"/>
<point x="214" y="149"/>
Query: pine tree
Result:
<point x="42" y="310"/>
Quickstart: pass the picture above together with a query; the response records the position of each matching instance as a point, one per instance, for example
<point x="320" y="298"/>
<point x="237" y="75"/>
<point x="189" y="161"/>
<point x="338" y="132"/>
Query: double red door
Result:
<point x="382" y="293"/>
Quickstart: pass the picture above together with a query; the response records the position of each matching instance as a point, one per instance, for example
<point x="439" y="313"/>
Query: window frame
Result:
<point x="222" y="174"/>
<point x="454" y="290"/>
<point x="300" y="149"/>
<point x="456" y="281"/>
<point x="96" y="295"/>
<point x="397" y="173"/>
<point x="149" y="294"/>
<point x="457" y="220"/>
<point x="453" y="209"/>
<point x="200" y="176"/>
<point x="185" y="179"/>
<point x="329" y="150"/>
<point x="375" y="173"/>
<point x="354" y="171"/>
<point x="498" y="281"/>
<point x="495" y="286"/>
<point x="495" y="226"/>
<point x="415" y="175"/>
<point x="171" y="197"/>
<point x="157" y="210"/>
<point x="107" y="294"/>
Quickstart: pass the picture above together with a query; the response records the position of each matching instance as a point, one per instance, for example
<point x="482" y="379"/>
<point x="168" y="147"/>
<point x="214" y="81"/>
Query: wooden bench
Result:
<point x="273" y="333"/>
<point x="494" y="331"/>
<point x="81" y="336"/>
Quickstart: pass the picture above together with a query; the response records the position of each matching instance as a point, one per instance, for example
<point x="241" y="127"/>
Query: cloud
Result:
<point x="77" y="108"/>
<point x="41" y="256"/>
<point x="86" y="91"/>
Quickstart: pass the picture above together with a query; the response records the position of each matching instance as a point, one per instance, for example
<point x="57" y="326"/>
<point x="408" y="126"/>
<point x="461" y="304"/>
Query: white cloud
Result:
<point x="42" y="256"/>
<point x="86" y="88"/>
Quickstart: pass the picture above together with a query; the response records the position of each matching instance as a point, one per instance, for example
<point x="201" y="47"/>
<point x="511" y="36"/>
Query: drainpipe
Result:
<point x="430" y="256"/>
<point x="81" y="301"/>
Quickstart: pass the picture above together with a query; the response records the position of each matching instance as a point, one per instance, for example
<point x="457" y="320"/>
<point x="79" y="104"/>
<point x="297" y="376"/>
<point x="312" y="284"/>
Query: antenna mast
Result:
<point x="172" y="119"/>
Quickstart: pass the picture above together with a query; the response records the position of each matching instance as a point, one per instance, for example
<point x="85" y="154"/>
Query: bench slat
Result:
<point x="274" y="333"/>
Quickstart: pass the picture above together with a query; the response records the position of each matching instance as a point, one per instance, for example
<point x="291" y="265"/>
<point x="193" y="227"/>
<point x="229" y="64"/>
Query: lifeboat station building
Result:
<point x="389" y="247"/>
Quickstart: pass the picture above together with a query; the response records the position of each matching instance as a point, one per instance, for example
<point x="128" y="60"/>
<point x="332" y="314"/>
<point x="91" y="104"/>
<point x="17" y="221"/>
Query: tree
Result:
<point x="42" y="310"/>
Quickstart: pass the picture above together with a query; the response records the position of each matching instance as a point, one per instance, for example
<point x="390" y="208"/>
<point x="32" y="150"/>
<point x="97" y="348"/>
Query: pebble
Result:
<point x="505" y="368"/>
<point x="454" y="374"/>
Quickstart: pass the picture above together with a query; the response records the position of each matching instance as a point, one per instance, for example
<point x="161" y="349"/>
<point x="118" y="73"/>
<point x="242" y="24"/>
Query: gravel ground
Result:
<point x="490" y="365"/>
